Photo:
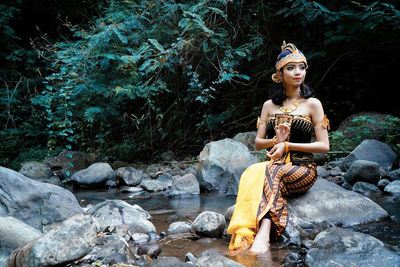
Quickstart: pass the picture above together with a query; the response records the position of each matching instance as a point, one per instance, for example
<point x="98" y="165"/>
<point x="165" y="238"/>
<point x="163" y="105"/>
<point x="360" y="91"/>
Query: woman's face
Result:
<point x="294" y="74"/>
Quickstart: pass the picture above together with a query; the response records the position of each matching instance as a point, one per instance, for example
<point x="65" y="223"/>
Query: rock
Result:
<point x="130" y="189"/>
<point x="393" y="188"/>
<point x="372" y="150"/>
<point x="394" y="175"/>
<point x="329" y="202"/>
<point x="130" y="176"/>
<point x="332" y="164"/>
<point x="189" y="257"/>
<point x="320" y="158"/>
<point x="363" y="170"/>
<point x="347" y="186"/>
<point x="233" y="182"/>
<point x="229" y="213"/>
<point x="292" y="235"/>
<point x="14" y="234"/>
<point x="167" y="156"/>
<point x="153" y="185"/>
<point x="335" y="179"/>
<point x="209" y="224"/>
<point x="218" y="159"/>
<point x="166" y="178"/>
<point x="37" y="204"/>
<point x="151" y="249"/>
<point x="211" y="258"/>
<point x="383" y="183"/>
<point x="185" y="185"/>
<point x="318" y="228"/>
<point x="292" y="259"/>
<point x="96" y="175"/>
<point x="69" y="162"/>
<point x="140" y="238"/>
<point x="109" y="250"/>
<point x="189" y="170"/>
<point x="365" y="188"/>
<point x="322" y="172"/>
<point x="336" y="171"/>
<point x="179" y="227"/>
<point x="72" y="240"/>
<point x="166" y="262"/>
<point x="246" y="138"/>
<point x="111" y="213"/>
<point x="37" y="171"/>
<point x="343" y="247"/>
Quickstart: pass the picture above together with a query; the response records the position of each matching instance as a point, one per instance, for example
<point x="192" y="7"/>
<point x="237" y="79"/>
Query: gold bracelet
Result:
<point x="286" y="147"/>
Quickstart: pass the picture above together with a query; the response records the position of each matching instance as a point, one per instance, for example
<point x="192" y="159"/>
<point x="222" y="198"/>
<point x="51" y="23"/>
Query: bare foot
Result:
<point x="259" y="247"/>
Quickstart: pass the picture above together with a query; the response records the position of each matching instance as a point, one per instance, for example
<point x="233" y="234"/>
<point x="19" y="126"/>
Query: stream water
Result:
<point x="166" y="210"/>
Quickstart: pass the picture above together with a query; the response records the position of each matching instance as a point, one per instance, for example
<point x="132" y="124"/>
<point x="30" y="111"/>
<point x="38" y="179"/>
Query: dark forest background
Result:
<point x="128" y="80"/>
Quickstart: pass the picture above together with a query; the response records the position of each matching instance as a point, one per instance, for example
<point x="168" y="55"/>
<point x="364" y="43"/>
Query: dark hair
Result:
<point x="279" y="95"/>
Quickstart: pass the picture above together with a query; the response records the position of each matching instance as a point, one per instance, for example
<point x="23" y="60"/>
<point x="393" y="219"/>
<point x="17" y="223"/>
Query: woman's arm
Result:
<point x="260" y="142"/>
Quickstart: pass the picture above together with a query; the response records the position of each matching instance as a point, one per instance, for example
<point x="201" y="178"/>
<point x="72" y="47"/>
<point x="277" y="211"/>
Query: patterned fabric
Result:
<point x="281" y="181"/>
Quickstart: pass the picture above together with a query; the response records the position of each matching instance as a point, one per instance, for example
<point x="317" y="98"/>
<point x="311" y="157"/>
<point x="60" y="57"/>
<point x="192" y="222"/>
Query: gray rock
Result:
<point x="234" y="180"/>
<point x="189" y="257"/>
<point x="111" y="213"/>
<point x="109" y="250"/>
<point x="151" y="249"/>
<point x="322" y="172"/>
<point x="229" y="213"/>
<point x="96" y="175"/>
<point x="72" y="240"/>
<point x="36" y="171"/>
<point x="154" y="185"/>
<point x="332" y="164"/>
<point x="393" y="187"/>
<point x="140" y="238"/>
<point x="189" y="170"/>
<point x="130" y="176"/>
<point x="209" y="224"/>
<point x="179" y="227"/>
<point x="167" y="156"/>
<point x="363" y="170"/>
<point x="336" y="171"/>
<point x="166" y="262"/>
<point x="14" y="234"/>
<point x="218" y="159"/>
<point x="342" y="247"/>
<point x="185" y="185"/>
<point x="394" y="175"/>
<point x="246" y="138"/>
<point x="347" y="186"/>
<point x="291" y="259"/>
<point x="211" y="258"/>
<point x="37" y="204"/>
<point x="383" y="183"/>
<point x="365" y="188"/>
<point x="372" y="150"/>
<point x="329" y="202"/>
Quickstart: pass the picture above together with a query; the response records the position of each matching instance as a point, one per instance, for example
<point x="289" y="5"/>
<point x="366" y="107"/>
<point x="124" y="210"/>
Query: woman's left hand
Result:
<point x="277" y="151"/>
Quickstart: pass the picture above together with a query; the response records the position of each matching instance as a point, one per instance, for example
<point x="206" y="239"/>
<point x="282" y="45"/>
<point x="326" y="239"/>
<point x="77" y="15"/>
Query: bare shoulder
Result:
<point x="268" y="104"/>
<point x="314" y="101"/>
<point x="266" y="109"/>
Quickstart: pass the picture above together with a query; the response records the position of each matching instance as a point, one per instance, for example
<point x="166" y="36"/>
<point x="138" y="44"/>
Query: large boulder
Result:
<point x="69" y="162"/>
<point x="185" y="185"/>
<point x="344" y="247"/>
<point x="111" y="213"/>
<point x="96" y="175"/>
<point x="130" y="176"/>
<point x="372" y="150"/>
<point x="326" y="201"/>
<point x="14" y="234"/>
<point x="35" y="203"/>
<point x="72" y="240"/>
<point x="363" y="171"/>
<point x="393" y="188"/>
<point x="217" y="162"/>
<point x="37" y="171"/>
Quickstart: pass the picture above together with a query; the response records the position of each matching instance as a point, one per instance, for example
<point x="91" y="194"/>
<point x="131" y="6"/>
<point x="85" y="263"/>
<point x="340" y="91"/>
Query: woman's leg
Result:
<point x="261" y="241"/>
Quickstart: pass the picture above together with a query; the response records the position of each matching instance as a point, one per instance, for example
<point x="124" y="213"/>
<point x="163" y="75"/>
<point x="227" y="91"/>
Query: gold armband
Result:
<point x="324" y="123"/>
<point x="260" y="122"/>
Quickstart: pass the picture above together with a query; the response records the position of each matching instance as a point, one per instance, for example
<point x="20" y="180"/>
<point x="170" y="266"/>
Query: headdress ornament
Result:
<point x="295" y="56"/>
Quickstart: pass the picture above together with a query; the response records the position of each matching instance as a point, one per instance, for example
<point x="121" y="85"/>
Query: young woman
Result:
<point x="286" y="126"/>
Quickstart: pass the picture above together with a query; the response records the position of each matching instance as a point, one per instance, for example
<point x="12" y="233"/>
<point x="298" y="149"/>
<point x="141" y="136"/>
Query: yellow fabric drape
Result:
<point x="243" y="225"/>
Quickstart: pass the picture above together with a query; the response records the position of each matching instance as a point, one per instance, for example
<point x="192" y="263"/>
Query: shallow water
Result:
<point x="166" y="210"/>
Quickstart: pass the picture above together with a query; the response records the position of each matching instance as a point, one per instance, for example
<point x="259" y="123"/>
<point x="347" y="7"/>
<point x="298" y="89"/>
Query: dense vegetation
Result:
<point x="130" y="79"/>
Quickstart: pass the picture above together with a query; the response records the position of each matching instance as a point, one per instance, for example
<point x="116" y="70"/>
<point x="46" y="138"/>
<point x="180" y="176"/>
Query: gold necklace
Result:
<point x="291" y="108"/>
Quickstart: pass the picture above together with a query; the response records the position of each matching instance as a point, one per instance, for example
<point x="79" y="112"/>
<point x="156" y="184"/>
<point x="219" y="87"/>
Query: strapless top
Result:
<point x="301" y="131"/>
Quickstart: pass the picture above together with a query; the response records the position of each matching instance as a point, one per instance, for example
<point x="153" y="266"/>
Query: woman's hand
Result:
<point x="282" y="131"/>
<point x="277" y="151"/>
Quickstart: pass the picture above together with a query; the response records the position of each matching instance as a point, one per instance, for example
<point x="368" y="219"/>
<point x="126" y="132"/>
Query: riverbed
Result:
<point x="166" y="210"/>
